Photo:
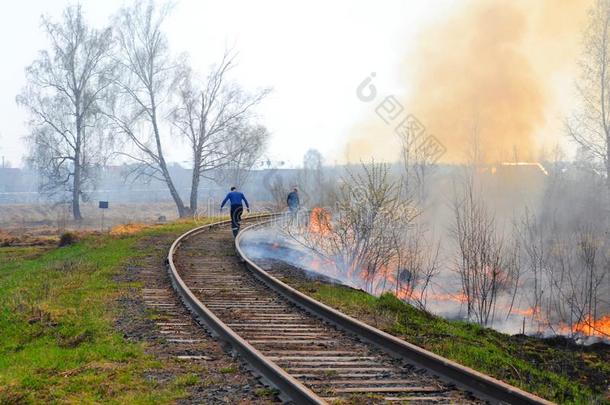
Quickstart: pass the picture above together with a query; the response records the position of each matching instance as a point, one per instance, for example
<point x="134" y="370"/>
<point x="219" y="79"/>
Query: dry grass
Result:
<point x="27" y="238"/>
<point x="30" y="216"/>
<point x="42" y="224"/>
<point x="128" y="229"/>
<point x="4" y="235"/>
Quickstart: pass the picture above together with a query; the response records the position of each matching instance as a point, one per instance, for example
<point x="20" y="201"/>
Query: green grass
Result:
<point x="547" y="368"/>
<point x="229" y="370"/>
<point x="266" y="392"/>
<point x="58" y="342"/>
<point x="13" y="254"/>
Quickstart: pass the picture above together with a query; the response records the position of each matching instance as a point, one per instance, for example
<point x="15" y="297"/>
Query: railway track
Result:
<point x="310" y="352"/>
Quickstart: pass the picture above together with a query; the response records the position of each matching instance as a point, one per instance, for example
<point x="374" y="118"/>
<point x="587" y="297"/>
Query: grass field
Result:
<point x="37" y="216"/>
<point x="58" y="342"/>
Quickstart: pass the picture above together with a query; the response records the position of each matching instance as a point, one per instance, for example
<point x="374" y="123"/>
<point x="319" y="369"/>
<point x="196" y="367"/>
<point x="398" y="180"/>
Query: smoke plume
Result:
<point x="504" y="68"/>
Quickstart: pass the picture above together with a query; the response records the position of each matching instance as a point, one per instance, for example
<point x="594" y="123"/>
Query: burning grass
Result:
<point x="590" y="327"/>
<point x="556" y="369"/>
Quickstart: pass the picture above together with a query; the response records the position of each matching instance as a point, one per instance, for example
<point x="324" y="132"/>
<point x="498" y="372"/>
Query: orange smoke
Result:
<point x="506" y="68"/>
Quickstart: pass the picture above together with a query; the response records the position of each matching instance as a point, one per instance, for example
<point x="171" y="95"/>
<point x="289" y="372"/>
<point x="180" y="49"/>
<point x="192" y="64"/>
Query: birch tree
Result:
<point x="66" y="86"/>
<point x="147" y="75"/>
<point x="156" y="93"/>
<point x="248" y="143"/>
<point x="215" y="118"/>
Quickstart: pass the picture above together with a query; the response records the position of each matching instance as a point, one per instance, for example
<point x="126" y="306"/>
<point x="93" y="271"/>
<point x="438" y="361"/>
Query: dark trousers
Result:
<point x="236" y="211"/>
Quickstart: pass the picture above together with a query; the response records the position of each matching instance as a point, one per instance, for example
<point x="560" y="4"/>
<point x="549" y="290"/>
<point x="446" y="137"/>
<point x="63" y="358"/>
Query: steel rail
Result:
<point x="483" y="386"/>
<point x="267" y="369"/>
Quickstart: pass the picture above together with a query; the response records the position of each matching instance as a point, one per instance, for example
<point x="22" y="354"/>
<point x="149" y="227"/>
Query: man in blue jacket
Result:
<point x="293" y="201"/>
<point x="237" y="209"/>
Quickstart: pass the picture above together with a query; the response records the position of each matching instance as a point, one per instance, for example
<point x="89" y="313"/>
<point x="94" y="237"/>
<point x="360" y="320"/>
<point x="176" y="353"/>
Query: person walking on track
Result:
<point x="293" y="202"/>
<point x="237" y="209"/>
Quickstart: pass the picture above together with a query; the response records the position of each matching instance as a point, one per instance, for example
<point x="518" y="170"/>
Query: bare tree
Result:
<point x="590" y="128"/>
<point x="146" y="80"/>
<point x="480" y="261"/>
<point x="278" y="186"/>
<point x="578" y="279"/>
<point x="415" y="262"/>
<point x="313" y="188"/>
<point x="66" y="86"/>
<point x="583" y="285"/>
<point x="418" y="158"/>
<point x="369" y="203"/>
<point x="359" y="239"/>
<point x="248" y="144"/>
<point x="215" y="119"/>
<point x="513" y="267"/>
<point x="275" y="180"/>
<point x="567" y="242"/>
<point x="588" y="249"/>
<point x="534" y="245"/>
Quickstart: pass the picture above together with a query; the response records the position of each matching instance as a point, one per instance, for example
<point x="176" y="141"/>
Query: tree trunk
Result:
<point x="194" y="190"/>
<point x="183" y="211"/>
<point x="607" y="184"/>
<point x="76" y="185"/>
<point x="76" y="194"/>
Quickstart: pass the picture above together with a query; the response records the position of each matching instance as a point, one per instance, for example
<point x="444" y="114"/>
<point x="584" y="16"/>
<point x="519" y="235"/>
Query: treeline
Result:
<point x="118" y="93"/>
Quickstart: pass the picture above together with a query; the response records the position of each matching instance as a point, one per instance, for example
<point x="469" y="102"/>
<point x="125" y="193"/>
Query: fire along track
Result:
<point x="310" y="352"/>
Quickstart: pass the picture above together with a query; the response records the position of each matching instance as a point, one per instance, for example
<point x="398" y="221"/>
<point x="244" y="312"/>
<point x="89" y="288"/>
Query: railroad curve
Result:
<point x="310" y="352"/>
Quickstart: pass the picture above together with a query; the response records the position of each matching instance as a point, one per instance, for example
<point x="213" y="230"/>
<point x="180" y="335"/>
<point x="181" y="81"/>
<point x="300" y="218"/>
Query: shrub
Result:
<point x="67" y="239"/>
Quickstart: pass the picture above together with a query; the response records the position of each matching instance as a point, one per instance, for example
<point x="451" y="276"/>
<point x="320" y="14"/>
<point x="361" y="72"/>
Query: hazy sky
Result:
<point x="313" y="54"/>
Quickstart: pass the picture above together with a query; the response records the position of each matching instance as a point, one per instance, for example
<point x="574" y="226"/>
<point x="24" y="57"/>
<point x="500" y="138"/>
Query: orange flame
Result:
<point x="320" y="221"/>
<point x="591" y="327"/>
<point x="526" y="312"/>
<point x="458" y="297"/>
